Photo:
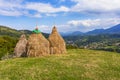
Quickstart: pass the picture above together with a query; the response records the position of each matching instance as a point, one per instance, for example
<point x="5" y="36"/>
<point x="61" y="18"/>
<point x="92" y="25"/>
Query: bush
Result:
<point x="71" y="46"/>
<point x="7" y="45"/>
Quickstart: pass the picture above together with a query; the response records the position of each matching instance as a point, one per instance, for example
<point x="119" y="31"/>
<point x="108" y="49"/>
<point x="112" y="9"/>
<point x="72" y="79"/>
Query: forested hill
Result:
<point x="9" y="31"/>
<point x="4" y="30"/>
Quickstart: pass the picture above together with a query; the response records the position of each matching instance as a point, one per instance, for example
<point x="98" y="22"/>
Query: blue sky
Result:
<point x="67" y="15"/>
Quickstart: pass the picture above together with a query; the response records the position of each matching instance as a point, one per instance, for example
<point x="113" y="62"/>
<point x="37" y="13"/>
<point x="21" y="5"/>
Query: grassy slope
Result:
<point x="75" y="65"/>
<point x="4" y="30"/>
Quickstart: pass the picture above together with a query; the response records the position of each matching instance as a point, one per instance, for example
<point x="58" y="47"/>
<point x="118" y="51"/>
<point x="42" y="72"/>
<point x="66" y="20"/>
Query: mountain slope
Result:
<point x="113" y="30"/>
<point x="77" y="33"/>
<point x="4" y="30"/>
<point x="96" y="31"/>
<point x="9" y="31"/>
<point x="77" y="64"/>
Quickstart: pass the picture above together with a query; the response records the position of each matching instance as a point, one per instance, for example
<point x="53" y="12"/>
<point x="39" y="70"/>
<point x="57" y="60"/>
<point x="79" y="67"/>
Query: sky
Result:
<point x="66" y="15"/>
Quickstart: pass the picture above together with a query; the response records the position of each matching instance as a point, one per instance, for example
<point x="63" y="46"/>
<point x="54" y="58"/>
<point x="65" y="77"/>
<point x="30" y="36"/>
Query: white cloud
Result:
<point x="18" y="8"/>
<point x="11" y="8"/>
<point x="89" y="24"/>
<point x="96" y="5"/>
<point x="10" y="4"/>
<point x="45" y="28"/>
<point x="86" y="23"/>
<point x="10" y="13"/>
<point x="37" y="15"/>
<point x="48" y="14"/>
<point x="45" y="8"/>
<point x="82" y="25"/>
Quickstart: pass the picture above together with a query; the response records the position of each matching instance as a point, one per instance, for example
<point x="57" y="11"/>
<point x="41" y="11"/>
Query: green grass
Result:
<point x="77" y="64"/>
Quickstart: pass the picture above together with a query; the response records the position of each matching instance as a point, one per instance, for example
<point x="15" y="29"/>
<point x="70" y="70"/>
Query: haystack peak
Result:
<point x="22" y="36"/>
<point x="54" y="30"/>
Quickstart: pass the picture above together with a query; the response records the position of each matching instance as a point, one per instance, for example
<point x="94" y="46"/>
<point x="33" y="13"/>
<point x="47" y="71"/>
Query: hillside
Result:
<point x="95" y="32"/>
<point x="4" y="30"/>
<point x="112" y="30"/>
<point x="107" y="42"/>
<point x="77" y="64"/>
<point x="7" y="45"/>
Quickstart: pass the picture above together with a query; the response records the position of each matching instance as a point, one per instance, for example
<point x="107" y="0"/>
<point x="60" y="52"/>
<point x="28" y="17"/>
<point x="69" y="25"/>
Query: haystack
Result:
<point x="20" y="49"/>
<point x="57" y="43"/>
<point x="37" y="45"/>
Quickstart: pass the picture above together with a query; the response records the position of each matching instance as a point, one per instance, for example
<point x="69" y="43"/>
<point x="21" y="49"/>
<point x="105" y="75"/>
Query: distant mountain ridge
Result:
<point x="113" y="30"/>
<point x="71" y="33"/>
<point x="96" y="31"/>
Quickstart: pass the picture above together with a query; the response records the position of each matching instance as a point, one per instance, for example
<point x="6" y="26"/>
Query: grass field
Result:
<point x="77" y="64"/>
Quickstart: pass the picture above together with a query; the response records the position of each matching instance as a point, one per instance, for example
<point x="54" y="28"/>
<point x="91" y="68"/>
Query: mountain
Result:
<point x="65" y="33"/>
<point x="4" y="30"/>
<point x="96" y="31"/>
<point x="25" y="31"/>
<point x="75" y="33"/>
<point x="113" y="30"/>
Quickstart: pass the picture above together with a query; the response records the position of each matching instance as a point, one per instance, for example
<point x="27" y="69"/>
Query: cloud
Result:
<point x="37" y="15"/>
<point x="10" y="4"/>
<point x="45" y="8"/>
<point x="10" y="13"/>
<point x="48" y="14"/>
<point x="11" y="8"/>
<point x="97" y="6"/>
<point x="21" y="8"/>
<point x="83" y="25"/>
<point x="45" y="28"/>
<point x="89" y="24"/>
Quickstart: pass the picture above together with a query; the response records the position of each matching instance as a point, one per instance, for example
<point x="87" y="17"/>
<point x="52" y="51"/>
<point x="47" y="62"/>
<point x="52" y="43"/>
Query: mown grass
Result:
<point x="77" y="64"/>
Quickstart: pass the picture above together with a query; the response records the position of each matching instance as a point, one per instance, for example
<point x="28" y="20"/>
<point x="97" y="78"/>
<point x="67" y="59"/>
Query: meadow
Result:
<point x="76" y="64"/>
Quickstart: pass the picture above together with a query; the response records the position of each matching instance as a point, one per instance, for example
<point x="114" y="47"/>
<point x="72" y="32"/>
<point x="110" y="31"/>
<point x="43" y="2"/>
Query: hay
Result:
<point x="37" y="46"/>
<point x="20" y="49"/>
<point x="57" y="43"/>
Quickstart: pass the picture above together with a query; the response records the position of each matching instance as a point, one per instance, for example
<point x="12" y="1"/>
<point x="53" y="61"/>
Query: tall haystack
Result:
<point x="57" y="43"/>
<point x="37" y="45"/>
<point x="20" y="49"/>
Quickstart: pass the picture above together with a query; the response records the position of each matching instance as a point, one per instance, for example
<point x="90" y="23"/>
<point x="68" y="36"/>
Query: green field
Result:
<point x="77" y="64"/>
